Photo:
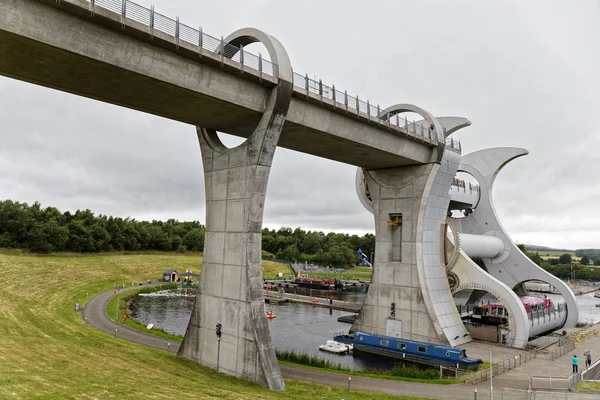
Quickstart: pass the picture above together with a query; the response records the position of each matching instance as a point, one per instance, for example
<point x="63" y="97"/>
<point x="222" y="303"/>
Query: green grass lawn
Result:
<point x="271" y="269"/>
<point x="585" y="385"/>
<point x="47" y="352"/>
<point x="333" y="275"/>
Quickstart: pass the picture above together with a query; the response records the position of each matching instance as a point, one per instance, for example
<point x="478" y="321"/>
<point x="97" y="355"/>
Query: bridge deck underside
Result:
<point x="71" y="54"/>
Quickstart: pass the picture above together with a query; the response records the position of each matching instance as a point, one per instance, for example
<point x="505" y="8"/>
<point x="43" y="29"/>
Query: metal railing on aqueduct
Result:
<point x="155" y="21"/>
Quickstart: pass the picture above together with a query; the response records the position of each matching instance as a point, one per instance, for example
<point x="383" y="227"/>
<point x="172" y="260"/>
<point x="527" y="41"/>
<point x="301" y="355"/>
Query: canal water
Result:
<point x="299" y="327"/>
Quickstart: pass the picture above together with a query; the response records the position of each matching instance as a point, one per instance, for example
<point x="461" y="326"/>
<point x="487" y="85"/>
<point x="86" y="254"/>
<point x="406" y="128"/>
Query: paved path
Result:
<point x="518" y="378"/>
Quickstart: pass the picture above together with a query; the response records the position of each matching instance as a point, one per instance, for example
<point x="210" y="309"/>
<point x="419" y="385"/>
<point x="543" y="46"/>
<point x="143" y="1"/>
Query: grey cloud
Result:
<point x="525" y="73"/>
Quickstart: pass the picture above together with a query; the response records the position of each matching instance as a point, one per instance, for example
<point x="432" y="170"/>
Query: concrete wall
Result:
<point x="416" y="284"/>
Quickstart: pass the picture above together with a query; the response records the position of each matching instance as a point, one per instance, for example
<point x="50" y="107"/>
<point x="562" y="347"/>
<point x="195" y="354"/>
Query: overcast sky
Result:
<point x="525" y="73"/>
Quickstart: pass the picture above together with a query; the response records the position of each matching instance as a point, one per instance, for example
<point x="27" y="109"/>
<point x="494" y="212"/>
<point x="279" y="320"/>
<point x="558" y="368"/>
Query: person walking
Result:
<point x="588" y="358"/>
<point x="575" y="362"/>
<point x="330" y="299"/>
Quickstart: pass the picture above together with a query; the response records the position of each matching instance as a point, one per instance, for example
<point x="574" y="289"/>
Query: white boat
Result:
<point x="336" y="347"/>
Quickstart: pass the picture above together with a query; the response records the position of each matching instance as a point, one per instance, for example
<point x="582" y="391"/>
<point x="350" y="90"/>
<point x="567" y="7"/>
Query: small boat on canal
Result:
<point x="318" y="283"/>
<point x="409" y="350"/>
<point x="336" y="347"/>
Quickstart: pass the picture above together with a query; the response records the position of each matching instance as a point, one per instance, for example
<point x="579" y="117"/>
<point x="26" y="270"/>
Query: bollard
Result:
<point x="475" y="394"/>
<point x="116" y="329"/>
<point x="86" y="320"/>
<point x="349" y="380"/>
<point x="169" y="346"/>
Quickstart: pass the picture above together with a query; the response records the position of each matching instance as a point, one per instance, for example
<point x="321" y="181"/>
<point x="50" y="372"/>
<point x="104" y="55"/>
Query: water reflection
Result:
<point x="298" y="327"/>
<point x="353" y="294"/>
<point x="301" y="327"/>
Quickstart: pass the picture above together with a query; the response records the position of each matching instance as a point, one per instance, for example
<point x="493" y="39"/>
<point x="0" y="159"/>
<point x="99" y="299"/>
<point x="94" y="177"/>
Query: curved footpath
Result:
<point x="94" y="314"/>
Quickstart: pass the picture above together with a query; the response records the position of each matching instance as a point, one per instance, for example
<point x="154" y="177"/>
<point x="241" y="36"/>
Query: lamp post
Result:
<point x="491" y="377"/>
<point x="218" y="332"/>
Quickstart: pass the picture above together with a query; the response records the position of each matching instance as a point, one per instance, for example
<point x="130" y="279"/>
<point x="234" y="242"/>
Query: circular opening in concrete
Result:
<point x="230" y="141"/>
<point x="464" y="195"/>
<point x="255" y="49"/>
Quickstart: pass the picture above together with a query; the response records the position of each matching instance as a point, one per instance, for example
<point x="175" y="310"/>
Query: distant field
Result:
<point x="554" y="253"/>
<point x="47" y="352"/>
<point x="546" y="254"/>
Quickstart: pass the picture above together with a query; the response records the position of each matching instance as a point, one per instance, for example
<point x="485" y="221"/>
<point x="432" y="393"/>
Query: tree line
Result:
<point x="48" y="230"/>
<point x="563" y="267"/>
<point x="335" y="249"/>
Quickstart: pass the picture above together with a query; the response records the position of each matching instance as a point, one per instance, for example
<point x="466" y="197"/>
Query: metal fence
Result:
<point x="156" y="22"/>
<point x="461" y="184"/>
<point x="564" y="346"/>
<point x="519" y="394"/>
<point x="498" y="368"/>
<point x="591" y="373"/>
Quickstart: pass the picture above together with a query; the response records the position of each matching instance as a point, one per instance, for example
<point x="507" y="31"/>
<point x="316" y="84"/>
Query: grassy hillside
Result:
<point x="46" y="352"/>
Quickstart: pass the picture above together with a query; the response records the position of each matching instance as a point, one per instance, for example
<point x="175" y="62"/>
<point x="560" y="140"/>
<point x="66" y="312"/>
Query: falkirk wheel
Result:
<point x="437" y="235"/>
<point x="422" y="256"/>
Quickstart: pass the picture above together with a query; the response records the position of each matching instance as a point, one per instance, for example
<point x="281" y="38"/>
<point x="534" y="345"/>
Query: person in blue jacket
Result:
<point x="575" y="362"/>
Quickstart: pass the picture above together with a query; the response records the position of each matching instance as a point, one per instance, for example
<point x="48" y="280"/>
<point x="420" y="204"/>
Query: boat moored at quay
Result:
<point x="410" y="350"/>
<point x="318" y="283"/>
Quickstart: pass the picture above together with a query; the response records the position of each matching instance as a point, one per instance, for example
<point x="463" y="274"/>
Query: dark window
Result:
<point x="384" y="342"/>
<point x="396" y="225"/>
<point x="401" y="346"/>
<point x="422" y="349"/>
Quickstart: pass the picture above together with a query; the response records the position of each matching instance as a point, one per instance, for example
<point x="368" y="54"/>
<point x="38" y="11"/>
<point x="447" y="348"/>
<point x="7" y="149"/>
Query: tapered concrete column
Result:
<point x="230" y="292"/>
<point x="409" y="295"/>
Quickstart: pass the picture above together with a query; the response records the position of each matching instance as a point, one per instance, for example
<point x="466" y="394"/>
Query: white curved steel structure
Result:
<point x="478" y="235"/>
<point x="512" y="267"/>
<point x="471" y="276"/>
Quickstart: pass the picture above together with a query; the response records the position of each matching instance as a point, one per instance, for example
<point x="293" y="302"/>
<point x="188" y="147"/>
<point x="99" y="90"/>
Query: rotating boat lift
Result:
<point x="501" y="268"/>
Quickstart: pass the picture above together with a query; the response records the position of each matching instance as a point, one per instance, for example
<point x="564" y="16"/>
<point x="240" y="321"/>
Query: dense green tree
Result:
<point x="565" y="258"/>
<point x="80" y="239"/>
<point x="311" y="243"/>
<point x="48" y="229"/>
<point x="585" y="260"/>
<point x="194" y="240"/>
<point x="289" y="253"/>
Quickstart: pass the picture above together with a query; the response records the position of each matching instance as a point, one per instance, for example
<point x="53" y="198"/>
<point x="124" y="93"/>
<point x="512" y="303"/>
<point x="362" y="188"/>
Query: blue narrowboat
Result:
<point x="410" y="350"/>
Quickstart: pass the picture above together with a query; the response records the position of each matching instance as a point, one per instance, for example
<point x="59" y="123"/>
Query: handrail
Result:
<point x="155" y="21"/>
